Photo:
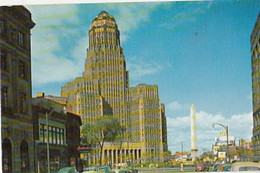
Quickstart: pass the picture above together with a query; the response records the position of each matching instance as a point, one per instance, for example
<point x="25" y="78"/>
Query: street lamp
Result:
<point x="48" y="145"/>
<point x="226" y="129"/>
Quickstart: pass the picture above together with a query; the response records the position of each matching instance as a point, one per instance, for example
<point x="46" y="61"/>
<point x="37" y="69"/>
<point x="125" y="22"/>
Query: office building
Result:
<point x="103" y="89"/>
<point x="16" y="91"/>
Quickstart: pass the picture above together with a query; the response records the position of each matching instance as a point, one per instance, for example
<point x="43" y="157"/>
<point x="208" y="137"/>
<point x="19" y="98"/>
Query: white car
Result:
<point x="245" y="166"/>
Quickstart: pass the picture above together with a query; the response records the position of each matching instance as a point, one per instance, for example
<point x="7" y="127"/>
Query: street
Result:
<point x="177" y="169"/>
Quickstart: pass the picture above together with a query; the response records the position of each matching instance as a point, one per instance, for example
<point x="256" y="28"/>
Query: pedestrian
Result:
<point x="181" y="166"/>
<point x="80" y="165"/>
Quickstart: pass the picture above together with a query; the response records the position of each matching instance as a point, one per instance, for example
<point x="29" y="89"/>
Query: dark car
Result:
<point x="227" y="167"/>
<point x="201" y="167"/>
<point x="215" y="166"/>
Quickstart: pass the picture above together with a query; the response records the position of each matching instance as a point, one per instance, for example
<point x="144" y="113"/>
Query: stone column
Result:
<point x="116" y="157"/>
<point x="112" y="156"/>
<point x="121" y="156"/>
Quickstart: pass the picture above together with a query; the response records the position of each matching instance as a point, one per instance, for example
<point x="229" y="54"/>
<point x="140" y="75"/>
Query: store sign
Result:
<point x="84" y="149"/>
<point x="221" y="155"/>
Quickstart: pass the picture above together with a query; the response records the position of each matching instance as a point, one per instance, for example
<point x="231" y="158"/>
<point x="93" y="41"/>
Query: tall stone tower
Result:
<point x="194" y="149"/>
<point x="103" y="89"/>
<point x="106" y="63"/>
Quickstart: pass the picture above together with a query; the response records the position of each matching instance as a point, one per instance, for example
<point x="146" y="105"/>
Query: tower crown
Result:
<point x="103" y="18"/>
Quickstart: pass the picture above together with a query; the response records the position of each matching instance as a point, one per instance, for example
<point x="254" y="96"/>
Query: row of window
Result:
<point x="5" y="103"/>
<point x="56" y="135"/>
<point x="5" y="67"/>
<point x="19" y="35"/>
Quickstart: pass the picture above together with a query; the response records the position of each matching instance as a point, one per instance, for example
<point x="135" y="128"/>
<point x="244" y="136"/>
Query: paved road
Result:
<point x="164" y="170"/>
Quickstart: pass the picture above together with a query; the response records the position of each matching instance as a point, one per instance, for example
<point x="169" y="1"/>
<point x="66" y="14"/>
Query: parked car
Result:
<point x="245" y="166"/>
<point x="224" y="167"/>
<point x="201" y="167"/>
<point x="124" y="171"/>
<point x="227" y="167"/>
<point x="97" y="169"/>
<point x="215" y="166"/>
<point x="68" y="170"/>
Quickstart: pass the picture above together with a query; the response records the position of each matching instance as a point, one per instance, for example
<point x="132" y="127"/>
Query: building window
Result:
<point x="20" y="39"/>
<point x="50" y="134"/>
<point x="61" y="136"/>
<point x="22" y="102"/>
<point x="58" y="136"/>
<point x="2" y="26"/>
<point x="41" y="133"/>
<point x="24" y="156"/>
<point x="54" y="135"/>
<point x="3" y="57"/>
<point x="22" y="73"/>
<point x="6" y="156"/>
<point x="4" y="97"/>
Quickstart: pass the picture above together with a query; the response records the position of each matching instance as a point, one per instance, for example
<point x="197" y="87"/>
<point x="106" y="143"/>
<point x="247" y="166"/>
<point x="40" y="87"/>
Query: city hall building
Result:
<point x="103" y="89"/>
<point x="16" y="109"/>
<point x="255" y="59"/>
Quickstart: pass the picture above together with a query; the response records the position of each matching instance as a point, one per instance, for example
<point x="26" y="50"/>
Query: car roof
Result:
<point x="246" y="164"/>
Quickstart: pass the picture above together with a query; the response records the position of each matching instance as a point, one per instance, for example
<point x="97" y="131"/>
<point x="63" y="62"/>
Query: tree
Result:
<point x="103" y="129"/>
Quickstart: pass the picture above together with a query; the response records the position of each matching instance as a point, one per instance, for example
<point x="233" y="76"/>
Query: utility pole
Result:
<point x="182" y="151"/>
<point x="48" y="146"/>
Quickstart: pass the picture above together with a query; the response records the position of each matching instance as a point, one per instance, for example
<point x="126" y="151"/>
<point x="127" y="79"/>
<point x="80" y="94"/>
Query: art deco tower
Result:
<point x="194" y="149"/>
<point x="105" y="64"/>
<point x="103" y="89"/>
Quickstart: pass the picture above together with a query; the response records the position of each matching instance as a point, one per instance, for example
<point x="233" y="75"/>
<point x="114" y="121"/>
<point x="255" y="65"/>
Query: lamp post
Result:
<point x="226" y="129"/>
<point x="48" y="145"/>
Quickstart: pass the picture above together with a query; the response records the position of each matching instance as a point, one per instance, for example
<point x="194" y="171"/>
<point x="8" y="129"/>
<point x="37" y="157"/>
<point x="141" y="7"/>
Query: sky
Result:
<point x="196" y="52"/>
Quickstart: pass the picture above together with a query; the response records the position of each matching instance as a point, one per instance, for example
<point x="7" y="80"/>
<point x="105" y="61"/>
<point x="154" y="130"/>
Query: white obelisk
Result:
<point x="194" y="149"/>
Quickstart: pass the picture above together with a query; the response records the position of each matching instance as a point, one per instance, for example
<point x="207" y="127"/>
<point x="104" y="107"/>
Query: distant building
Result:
<point x="64" y="134"/>
<point x="103" y="90"/>
<point x="16" y="91"/>
<point x="255" y="59"/>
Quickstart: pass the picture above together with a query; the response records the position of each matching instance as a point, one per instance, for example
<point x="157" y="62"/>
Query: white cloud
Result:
<point x="240" y="125"/>
<point x="130" y="16"/>
<point x="138" y="67"/>
<point x="50" y="63"/>
<point x="174" y="106"/>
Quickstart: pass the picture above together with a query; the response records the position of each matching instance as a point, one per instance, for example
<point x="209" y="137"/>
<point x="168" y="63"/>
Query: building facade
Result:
<point x="255" y="59"/>
<point x="16" y="94"/>
<point x="103" y="89"/>
<point x="64" y="134"/>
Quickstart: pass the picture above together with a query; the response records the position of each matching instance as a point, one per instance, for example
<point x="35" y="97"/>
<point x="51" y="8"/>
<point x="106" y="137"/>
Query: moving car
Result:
<point x="245" y="166"/>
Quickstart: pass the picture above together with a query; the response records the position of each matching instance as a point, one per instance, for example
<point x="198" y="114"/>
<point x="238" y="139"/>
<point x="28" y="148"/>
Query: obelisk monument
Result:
<point x="194" y="149"/>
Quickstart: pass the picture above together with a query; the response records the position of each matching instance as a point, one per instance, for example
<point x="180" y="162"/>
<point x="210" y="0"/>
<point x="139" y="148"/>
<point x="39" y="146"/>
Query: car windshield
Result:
<point x="249" y="168"/>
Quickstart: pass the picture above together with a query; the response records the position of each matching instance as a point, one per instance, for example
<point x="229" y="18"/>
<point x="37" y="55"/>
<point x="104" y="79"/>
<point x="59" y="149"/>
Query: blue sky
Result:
<point x="196" y="52"/>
